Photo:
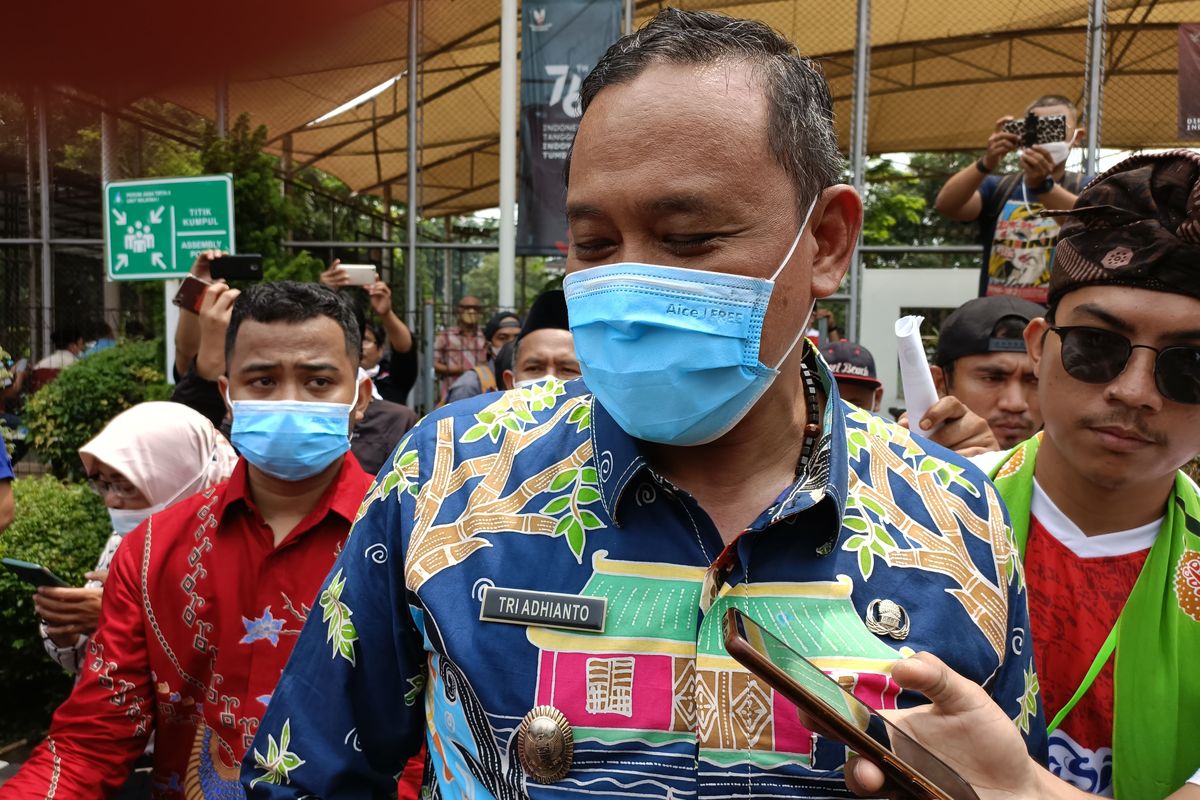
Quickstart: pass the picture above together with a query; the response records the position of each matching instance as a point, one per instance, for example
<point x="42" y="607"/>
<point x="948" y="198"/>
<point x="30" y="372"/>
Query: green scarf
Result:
<point x="1156" y="714"/>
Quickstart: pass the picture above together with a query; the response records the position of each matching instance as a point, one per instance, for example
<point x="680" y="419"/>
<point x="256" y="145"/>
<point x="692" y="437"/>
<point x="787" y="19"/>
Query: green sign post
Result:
<point x="154" y="228"/>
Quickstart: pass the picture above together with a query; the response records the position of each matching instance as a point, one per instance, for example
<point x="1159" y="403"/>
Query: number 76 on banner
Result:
<point x="569" y="98"/>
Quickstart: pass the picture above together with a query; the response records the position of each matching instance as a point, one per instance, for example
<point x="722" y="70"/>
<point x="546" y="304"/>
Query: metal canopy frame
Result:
<point x="1106" y="52"/>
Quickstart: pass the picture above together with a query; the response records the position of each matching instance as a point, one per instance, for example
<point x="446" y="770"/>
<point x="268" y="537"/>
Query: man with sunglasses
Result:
<point x="1105" y="519"/>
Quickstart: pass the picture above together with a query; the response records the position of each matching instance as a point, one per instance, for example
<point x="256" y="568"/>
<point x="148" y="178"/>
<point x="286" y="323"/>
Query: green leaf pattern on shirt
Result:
<point x="578" y="487"/>
<point x="869" y="538"/>
<point x="341" y="632"/>
<point x="514" y="410"/>
<point x="279" y="761"/>
<point x="1027" y="708"/>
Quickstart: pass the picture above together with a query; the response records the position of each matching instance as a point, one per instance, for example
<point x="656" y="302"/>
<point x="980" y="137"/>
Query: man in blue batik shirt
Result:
<point x="535" y="586"/>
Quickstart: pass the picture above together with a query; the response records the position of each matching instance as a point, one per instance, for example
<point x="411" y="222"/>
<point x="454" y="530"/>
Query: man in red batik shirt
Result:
<point x="204" y="601"/>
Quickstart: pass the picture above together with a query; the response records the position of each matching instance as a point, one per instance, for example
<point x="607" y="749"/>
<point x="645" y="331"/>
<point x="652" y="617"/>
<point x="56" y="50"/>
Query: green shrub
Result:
<point x="64" y="527"/>
<point x="73" y="408"/>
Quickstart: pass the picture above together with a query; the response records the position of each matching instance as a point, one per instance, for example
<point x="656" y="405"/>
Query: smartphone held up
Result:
<point x="828" y="709"/>
<point x="360" y="274"/>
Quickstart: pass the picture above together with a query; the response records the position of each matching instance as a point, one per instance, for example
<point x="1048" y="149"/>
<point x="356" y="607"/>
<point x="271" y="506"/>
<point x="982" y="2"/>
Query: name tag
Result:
<point x="544" y="609"/>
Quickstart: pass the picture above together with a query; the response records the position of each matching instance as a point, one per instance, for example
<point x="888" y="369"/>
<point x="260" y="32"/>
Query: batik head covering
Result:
<point x="1136" y="225"/>
<point x="166" y="450"/>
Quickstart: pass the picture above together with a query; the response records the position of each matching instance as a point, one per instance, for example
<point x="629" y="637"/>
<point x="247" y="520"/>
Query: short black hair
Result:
<point x="66" y="334"/>
<point x="800" y="128"/>
<point x="1055" y="100"/>
<point x="292" y="302"/>
<point x="377" y="333"/>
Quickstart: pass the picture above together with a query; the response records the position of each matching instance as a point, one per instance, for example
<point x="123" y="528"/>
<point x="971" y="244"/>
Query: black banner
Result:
<point x="561" y="40"/>
<point x="1189" y="81"/>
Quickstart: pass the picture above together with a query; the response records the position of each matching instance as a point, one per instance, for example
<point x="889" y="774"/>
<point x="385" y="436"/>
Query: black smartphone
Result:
<point x="825" y="707"/>
<point x="191" y="294"/>
<point x="237" y="268"/>
<point x="33" y="573"/>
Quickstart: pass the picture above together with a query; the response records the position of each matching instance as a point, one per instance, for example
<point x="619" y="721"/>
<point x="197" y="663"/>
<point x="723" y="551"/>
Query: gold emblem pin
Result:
<point x="887" y="618"/>
<point x="545" y="744"/>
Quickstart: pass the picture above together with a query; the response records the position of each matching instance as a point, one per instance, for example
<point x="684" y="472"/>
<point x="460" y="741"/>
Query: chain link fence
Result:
<point x="941" y="75"/>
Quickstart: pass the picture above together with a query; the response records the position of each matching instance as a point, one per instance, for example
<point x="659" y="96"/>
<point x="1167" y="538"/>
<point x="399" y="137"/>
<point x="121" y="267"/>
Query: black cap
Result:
<point x="971" y="329"/>
<point x="850" y="362"/>
<point x="501" y="319"/>
<point x="549" y="310"/>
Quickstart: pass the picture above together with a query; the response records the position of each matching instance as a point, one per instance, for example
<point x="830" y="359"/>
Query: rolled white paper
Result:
<point x="919" y="391"/>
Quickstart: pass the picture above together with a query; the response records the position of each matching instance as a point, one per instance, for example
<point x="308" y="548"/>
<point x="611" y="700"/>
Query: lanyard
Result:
<point x="1105" y="653"/>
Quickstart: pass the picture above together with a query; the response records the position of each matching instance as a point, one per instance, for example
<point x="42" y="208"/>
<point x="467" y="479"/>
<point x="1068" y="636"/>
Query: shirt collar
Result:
<point x="619" y="458"/>
<point x="343" y="496"/>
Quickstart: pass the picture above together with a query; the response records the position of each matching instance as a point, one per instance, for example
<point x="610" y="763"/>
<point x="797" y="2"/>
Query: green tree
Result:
<point x="484" y="280"/>
<point x="262" y="214"/>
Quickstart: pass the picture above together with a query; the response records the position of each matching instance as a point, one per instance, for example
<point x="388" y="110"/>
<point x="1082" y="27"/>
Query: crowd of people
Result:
<point x="529" y="598"/>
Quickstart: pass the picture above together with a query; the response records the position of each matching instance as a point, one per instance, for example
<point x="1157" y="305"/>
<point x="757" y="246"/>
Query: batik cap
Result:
<point x="1136" y="225"/>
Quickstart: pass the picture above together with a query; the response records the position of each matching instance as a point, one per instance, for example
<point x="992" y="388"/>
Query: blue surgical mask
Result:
<point x="672" y="353"/>
<point x="289" y="439"/>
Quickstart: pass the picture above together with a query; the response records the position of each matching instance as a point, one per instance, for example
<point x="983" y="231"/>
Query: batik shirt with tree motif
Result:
<point x="539" y="489"/>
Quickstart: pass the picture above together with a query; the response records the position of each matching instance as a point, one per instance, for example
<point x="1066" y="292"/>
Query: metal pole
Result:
<point x="858" y="149"/>
<point x="108" y="172"/>
<point x="430" y="376"/>
<point x="44" y="230"/>
<point x="221" y="103"/>
<point x="508" y="152"/>
<point x="1097" y="17"/>
<point x="30" y="226"/>
<point x="628" y="17"/>
<point x="410" y="261"/>
<point x="386" y="254"/>
<point x="448" y="266"/>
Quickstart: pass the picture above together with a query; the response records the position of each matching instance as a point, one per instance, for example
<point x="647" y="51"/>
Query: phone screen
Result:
<point x="32" y="573"/>
<point x="838" y="702"/>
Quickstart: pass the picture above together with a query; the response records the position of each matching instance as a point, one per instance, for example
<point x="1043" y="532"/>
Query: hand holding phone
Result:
<point x="191" y="294"/>
<point x="32" y="573"/>
<point x="826" y="708"/>
<point x="237" y="268"/>
<point x="360" y="274"/>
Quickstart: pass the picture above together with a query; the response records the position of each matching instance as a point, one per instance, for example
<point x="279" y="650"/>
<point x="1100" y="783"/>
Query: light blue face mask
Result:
<point x="672" y="353"/>
<point x="290" y="439"/>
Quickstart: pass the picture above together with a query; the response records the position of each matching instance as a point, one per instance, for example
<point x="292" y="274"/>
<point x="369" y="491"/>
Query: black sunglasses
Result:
<point x="1095" y="355"/>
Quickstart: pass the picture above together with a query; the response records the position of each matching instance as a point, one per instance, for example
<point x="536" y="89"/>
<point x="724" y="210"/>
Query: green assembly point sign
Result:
<point x="154" y="228"/>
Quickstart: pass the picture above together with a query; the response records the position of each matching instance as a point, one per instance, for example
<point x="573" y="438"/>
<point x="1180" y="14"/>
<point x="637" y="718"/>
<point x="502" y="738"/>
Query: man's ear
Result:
<point x="1080" y="134"/>
<point x="1035" y="342"/>
<point x="877" y="399"/>
<point x="364" y="399"/>
<point x="837" y="219"/>
<point x="223" y="388"/>
<point x="939" y="380"/>
<point x="507" y="376"/>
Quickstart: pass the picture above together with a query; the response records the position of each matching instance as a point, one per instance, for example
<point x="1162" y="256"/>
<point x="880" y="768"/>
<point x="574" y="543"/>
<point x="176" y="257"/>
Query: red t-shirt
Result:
<point x="1077" y="587"/>
<point x="200" y="613"/>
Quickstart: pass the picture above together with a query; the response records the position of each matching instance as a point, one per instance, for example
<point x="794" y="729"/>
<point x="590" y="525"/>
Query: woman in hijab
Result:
<point x="145" y="459"/>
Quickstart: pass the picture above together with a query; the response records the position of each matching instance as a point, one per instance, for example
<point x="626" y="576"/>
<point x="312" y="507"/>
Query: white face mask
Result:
<point x="1058" y="151"/>
<point x="525" y="384"/>
<point x="125" y="520"/>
